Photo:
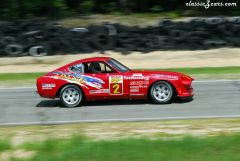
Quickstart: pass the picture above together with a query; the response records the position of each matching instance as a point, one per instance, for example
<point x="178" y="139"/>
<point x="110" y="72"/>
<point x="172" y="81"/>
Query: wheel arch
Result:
<point x="175" y="93"/>
<point x="64" y="85"/>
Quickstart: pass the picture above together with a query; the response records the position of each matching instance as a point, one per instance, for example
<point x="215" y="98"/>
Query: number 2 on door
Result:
<point x="116" y="89"/>
<point x="116" y="85"/>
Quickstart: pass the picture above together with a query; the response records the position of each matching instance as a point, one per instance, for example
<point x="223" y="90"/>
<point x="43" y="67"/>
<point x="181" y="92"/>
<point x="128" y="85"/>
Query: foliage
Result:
<point x="18" y="9"/>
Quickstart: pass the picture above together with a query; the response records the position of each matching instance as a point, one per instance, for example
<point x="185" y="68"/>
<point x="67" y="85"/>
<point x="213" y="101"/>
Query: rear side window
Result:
<point x="97" y="67"/>
<point x="77" y="68"/>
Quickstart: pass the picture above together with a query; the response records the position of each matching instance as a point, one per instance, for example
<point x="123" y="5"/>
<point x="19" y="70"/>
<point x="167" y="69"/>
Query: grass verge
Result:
<point x="218" y="148"/>
<point x="194" y="140"/>
<point x="18" y="79"/>
<point x="207" y="70"/>
<point x="198" y="73"/>
<point x="4" y="145"/>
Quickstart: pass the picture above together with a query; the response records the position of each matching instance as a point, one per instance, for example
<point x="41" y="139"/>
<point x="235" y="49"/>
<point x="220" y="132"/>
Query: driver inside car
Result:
<point x="95" y="68"/>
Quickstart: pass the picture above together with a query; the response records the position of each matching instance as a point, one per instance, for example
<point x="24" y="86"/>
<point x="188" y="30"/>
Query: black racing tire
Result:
<point x="178" y="35"/>
<point x="235" y="28"/>
<point x="112" y="31"/>
<point x="14" y="49"/>
<point x="64" y="45"/>
<point x="164" y="22"/>
<point x="214" y="21"/>
<point x="2" y="47"/>
<point x="71" y="96"/>
<point x="38" y="51"/>
<point x="8" y="40"/>
<point x="235" y="20"/>
<point x="197" y="22"/>
<point x="32" y="33"/>
<point x="214" y="43"/>
<point x="201" y="34"/>
<point x="234" y="41"/>
<point x="165" y="42"/>
<point x="161" y="92"/>
<point x="102" y="42"/>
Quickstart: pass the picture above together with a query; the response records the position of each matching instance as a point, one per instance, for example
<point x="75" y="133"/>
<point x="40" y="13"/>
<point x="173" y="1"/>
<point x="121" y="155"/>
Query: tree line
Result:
<point x="19" y="9"/>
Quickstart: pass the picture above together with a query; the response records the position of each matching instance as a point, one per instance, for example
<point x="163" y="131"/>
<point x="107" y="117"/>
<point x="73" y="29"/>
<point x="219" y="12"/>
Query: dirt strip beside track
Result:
<point x="158" y="59"/>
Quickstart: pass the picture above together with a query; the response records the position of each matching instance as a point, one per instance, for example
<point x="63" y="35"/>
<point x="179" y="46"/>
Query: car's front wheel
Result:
<point x="161" y="92"/>
<point x="71" y="96"/>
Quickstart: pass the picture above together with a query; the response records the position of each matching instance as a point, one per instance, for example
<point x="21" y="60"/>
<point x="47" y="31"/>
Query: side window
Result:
<point x="77" y="68"/>
<point x="97" y="67"/>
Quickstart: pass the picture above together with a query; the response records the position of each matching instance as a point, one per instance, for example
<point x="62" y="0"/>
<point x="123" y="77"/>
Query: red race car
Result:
<point x="103" y="78"/>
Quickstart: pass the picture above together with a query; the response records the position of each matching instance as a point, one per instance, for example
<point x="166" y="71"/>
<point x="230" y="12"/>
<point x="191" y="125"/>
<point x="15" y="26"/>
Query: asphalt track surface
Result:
<point x="19" y="106"/>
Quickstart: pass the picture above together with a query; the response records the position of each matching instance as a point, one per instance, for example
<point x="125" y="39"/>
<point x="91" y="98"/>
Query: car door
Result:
<point x="96" y="80"/>
<point x="137" y="83"/>
<point x="110" y="83"/>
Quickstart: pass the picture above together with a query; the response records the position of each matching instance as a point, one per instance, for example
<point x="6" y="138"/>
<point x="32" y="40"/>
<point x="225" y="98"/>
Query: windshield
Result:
<point x="118" y="65"/>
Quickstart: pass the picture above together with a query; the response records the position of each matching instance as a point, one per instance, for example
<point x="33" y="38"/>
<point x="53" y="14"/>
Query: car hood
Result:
<point x="157" y="72"/>
<point x="170" y="73"/>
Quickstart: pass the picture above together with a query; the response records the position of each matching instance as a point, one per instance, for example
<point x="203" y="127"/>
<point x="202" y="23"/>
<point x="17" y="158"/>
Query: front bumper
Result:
<point x="185" y="91"/>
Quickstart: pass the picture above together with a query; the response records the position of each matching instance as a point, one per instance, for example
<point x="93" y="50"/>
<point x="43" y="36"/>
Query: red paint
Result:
<point x="115" y="85"/>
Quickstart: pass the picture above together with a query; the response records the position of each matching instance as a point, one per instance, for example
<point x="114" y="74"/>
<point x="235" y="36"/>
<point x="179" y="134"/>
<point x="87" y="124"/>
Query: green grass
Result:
<point x="208" y="70"/>
<point x="198" y="73"/>
<point x="19" y="76"/>
<point x="16" y="79"/>
<point x="4" y="145"/>
<point x="217" y="148"/>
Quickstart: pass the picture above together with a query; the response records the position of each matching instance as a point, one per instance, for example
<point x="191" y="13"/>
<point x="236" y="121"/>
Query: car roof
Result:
<point x="89" y="60"/>
<point x="95" y="59"/>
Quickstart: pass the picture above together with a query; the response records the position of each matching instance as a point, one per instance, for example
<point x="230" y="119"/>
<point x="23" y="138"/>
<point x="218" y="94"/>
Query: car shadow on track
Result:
<point x="57" y="103"/>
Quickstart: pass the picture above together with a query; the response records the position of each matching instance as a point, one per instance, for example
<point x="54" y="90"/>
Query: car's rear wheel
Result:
<point x="161" y="92"/>
<point x="71" y="96"/>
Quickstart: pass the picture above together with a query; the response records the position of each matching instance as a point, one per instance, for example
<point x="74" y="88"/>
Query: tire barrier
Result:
<point x="13" y="49"/>
<point x="38" y="51"/>
<point x="40" y="38"/>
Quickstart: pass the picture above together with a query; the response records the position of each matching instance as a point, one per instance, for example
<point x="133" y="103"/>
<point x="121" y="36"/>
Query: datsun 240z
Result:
<point x="104" y="78"/>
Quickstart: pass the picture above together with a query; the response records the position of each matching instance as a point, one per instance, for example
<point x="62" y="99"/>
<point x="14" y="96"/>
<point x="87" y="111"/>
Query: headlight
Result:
<point x="186" y="79"/>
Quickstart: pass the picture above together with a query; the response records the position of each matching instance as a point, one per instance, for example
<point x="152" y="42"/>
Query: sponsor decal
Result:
<point x="99" y="91"/>
<point x="116" y="84"/>
<point x="137" y="75"/>
<point x="136" y="94"/>
<point x="48" y="86"/>
<point x="165" y="76"/>
<point x="142" y="86"/>
<point x="139" y="83"/>
<point x="134" y="89"/>
<point x="134" y="77"/>
<point x="80" y="79"/>
<point x="116" y="79"/>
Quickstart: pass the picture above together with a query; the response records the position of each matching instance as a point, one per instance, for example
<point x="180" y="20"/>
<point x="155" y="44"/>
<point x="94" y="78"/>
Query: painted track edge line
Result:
<point x="12" y="88"/>
<point x="117" y="120"/>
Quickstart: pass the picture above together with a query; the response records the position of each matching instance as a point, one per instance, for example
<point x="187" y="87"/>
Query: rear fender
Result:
<point x="59" y="90"/>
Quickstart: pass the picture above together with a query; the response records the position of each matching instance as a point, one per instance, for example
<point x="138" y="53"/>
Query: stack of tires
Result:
<point x="40" y="38"/>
